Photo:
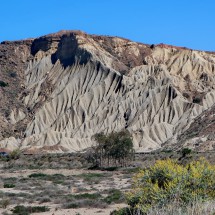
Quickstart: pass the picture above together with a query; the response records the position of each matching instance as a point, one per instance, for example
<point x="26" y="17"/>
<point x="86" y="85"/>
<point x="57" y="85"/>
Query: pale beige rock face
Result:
<point x="10" y="143"/>
<point x="76" y="88"/>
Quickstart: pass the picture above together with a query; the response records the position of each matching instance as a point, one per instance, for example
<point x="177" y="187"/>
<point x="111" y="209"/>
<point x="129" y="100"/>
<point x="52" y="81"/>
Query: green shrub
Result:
<point x="37" y="175"/>
<point x="186" y="151"/>
<point x="111" y="168"/>
<point x="168" y="181"/>
<point x="88" y="196"/>
<point x="123" y="211"/>
<point x="9" y="185"/>
<point x="23" y="210"/>
<point x="3" y="84"/>
<point x="84" y="196"/>
<point x="115" y="196"/>
<point x="91" y="176"/>
<point x="20" y="210"/>
<point x="38" y="209"/>
<point x="167" y="151"/>
<point x="71" y="205"/>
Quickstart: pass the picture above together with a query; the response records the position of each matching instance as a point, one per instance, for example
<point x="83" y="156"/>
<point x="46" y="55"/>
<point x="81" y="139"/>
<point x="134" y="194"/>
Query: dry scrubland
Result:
<point x="58" y="188"/>
<point x="64" y="184"/>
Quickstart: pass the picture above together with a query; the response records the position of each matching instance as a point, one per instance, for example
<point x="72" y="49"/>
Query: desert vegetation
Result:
<point x="3" y="84"/>
<point x="20" y="209"/>
<point x="43" y="190"/>
<point x="113" y="150"/>
<point x="172" y="188"/>
<point x="150" y="183"/>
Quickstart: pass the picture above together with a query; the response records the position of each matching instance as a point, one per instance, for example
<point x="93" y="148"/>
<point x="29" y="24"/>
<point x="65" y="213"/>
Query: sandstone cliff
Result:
<point x="63" y="88"/>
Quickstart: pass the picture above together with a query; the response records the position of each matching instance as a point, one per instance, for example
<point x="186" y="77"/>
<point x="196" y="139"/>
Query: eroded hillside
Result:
<point x="71" y="85"/>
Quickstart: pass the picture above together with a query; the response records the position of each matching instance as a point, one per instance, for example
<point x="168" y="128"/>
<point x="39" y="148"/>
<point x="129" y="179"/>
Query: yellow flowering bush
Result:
<point x="169" y="182"/>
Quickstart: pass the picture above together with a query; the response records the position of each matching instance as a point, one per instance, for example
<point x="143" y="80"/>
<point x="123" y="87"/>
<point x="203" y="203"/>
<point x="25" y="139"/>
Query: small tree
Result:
<point x="115" y="149"/>
<point x="185" y="152"/>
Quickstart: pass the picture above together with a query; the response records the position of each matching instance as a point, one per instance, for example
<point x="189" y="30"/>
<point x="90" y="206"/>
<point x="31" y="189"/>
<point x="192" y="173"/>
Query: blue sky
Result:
<point x="189" y="23"/>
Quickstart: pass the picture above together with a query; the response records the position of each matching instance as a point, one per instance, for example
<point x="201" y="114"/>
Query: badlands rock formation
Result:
<point x="63" y="88"/>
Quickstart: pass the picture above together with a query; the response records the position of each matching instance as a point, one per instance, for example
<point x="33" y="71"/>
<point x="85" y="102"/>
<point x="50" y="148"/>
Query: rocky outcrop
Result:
<point x="76" y="85"/>
<point x="14" y="58"/>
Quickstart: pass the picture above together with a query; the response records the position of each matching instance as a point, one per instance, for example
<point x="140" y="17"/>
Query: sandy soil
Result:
<point x="81" y="211"/>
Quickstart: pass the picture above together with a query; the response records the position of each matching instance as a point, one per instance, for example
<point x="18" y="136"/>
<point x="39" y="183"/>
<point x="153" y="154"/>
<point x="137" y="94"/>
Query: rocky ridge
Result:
<point x="69" y="86"/>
